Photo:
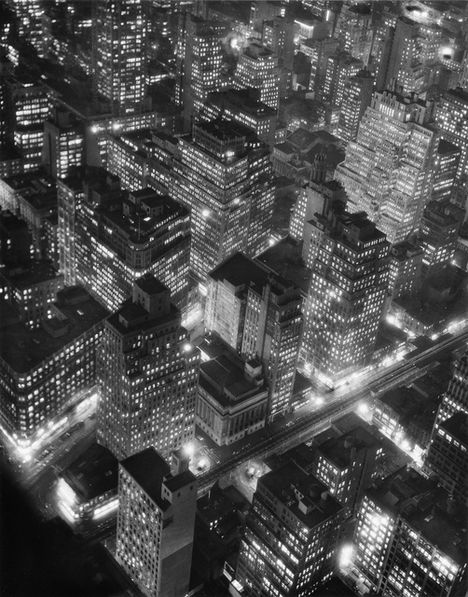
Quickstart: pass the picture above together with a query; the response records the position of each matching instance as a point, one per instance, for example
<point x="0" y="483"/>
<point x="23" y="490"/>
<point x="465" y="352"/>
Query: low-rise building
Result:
<point x="86" y="492"/>
<point x="232" y="399"/>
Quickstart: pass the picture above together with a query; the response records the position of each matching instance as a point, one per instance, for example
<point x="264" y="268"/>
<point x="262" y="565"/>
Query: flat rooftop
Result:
<point x="25" y="349"/>
<point x="94" y="473"/>
<point x="224" y="379"/>
<point x="150" y="471"/>
<point x="285" y="259"/>
<point x="339" y="450"/>
<point x="282" y="484"/>
<point x="241" y="271"/>
<point x="36" y="273"/>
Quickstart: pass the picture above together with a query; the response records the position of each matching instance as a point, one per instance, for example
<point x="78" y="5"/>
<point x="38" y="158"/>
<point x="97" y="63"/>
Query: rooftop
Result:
<point x="457" y="427"/>
<point x="93" y="473"/>
<point x="425" y="507"/>
<point x="224" y="378"/>
<point x="285" y="259"/>
<point x="289" y="483"/>
<point x="340" y="450"/>
<point x="151" y="285"/>
<point x="241" y="271"/>
<point x="36" y="273"/>
<point x="150" y="471"/>
<point x="78" y="312"/>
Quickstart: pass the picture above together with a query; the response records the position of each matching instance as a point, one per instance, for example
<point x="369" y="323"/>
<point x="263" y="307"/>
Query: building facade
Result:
<point x="149" y="375"/>
<point x="155" y="524"/>
<point x="258" y="314"/>
<point x="347" y="291"/>
<point x="386" y="171"/>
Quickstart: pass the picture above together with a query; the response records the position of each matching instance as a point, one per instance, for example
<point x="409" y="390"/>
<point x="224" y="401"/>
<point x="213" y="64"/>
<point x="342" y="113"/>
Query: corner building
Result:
<point x="155" y="524"/>
<point x="347" y="292"/>
<point x="148" y="373"/>
<point x="289" y="542"/>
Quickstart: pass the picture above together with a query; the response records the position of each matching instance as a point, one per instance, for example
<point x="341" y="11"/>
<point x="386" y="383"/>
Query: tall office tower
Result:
<point x="440" y="225"/>
<point x="451" y="118"/>
<point x="149" y="375"/>
<point x="455" y="398"/>
<point x="259" y="314"/>
<point x="354" y="29"/>
<point x="63" y="144"/>
<point x="70" y="193"/>
<point x="356" y="97"/>
<point x="317" y="52"/>
<point x="243" y="106"/>
<point x="446" y="164"/>
<point x="199" y="63"/>
<point x="121" y="236"/>
<point x="405" y="271"/>
<point x="258" y="67"/>
<point x="120" y="56"/>
<point x="31" y="107"/>
<point x="29" y="21"/>
<point x="46" y="370"/>
<point x="348" y="465"/>
<point x="385" y="19"/>
<point x="413" y="61"/>
<point x="311" y="200"/>
<point x="289" y="542"/>
<point x="347" y="291"/>
<point x="406" y="540"/>
<point x="155" y="524"/>
<point x="278" y="36"/>
<point x="264" y="11"/>
<point x="224" y="177"/>
<point x="386" y="172"/>
<point x="448" y="454"/>
<point x="339" y="68"/>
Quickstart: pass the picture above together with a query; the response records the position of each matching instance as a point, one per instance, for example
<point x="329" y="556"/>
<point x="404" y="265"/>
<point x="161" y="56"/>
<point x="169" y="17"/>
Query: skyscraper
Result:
<point x="356" y="97"/>
<point x="386" y="172"/>
<point x="199" y="62"/>
<point x="121" y="236"/>
<point x="120" y="55"/>
<point x="413" y="61"/>
<point x="407" y="542"/>
<point x="290" y="538"/>
<point x="258" y="67"/>
<point x="149" y="374"/>
<point x="446" y="162"/>
<point x="455" y="398"/>
<point x="405" y="271"/>
<point x="155" y="524"/>
<point x="450" y="116"/>
<point x="440" y="224"/>
<point x="448" y="454"/>
<point x="348" y="465"/>
<point x="224" y="177"/>
<point x="258" y="313"/>
<point x="63" y="144"/>
<point x="346" y="294"/>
